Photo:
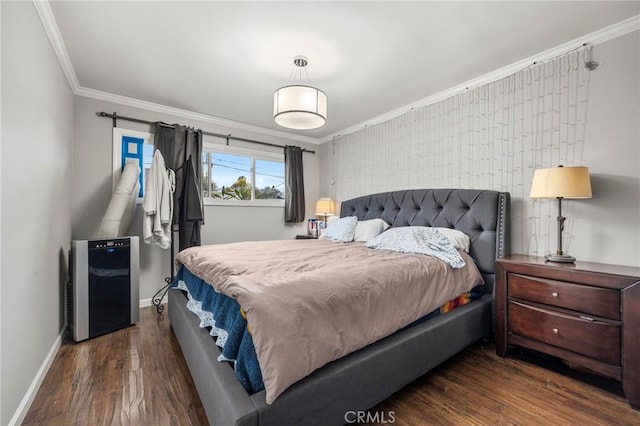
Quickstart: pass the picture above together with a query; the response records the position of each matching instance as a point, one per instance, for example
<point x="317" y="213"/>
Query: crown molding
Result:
<point x="613" y="31"/>
<point x="49" y="23"/>
<point x="594" y="38"/>
<point x="51" y="28"/>
<point x="151" y="106"/>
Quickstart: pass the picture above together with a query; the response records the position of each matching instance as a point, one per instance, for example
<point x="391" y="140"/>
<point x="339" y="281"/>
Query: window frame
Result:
<point x="118" y="134"/>
<point x="254" y="155"/>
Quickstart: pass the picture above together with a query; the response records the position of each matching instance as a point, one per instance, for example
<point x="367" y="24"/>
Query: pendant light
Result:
<point x="298" y="106"/>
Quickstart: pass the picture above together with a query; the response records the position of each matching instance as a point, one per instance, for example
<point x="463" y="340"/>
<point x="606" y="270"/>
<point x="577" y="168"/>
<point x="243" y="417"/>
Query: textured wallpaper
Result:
<point x="488" y="137"/>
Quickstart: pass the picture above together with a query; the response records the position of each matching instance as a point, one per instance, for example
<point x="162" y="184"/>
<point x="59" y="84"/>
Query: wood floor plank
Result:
<point x="137" y="376"/>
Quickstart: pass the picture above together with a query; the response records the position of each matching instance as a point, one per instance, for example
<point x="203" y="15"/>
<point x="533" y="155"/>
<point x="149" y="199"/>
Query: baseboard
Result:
<point x="25" y="404"/>
<point x="149" y="302"/>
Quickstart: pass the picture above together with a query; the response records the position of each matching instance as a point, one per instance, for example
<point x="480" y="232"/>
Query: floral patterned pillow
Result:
<point x="342" y="230"/>
<point x="420" y="240"/>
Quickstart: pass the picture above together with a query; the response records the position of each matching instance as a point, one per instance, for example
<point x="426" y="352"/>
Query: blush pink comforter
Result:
<point x="309" y="302"/>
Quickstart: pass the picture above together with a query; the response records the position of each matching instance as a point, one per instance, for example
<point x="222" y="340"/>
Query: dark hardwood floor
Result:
<point x="134" y="376"/>
<point x="137" y="376"/>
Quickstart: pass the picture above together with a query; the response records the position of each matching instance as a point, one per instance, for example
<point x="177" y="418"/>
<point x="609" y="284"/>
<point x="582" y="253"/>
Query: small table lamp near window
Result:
<point x="325" y="207"/>
<point x="561" y="182"/>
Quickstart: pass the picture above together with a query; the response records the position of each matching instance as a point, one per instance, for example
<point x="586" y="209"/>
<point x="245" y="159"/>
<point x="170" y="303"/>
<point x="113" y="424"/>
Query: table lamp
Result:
<point x="559" y="183"/>
<point x="325" y="207"/>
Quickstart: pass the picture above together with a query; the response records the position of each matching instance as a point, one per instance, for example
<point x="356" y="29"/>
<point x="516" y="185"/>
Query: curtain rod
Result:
<point x="115" y="117"/>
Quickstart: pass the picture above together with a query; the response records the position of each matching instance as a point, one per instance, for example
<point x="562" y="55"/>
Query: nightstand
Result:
<point x="306" y="237"/>
<point x="587" y="314"/>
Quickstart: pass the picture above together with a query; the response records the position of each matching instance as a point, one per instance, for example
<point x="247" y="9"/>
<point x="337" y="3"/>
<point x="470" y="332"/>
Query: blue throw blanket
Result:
<point x="228" y="324"/>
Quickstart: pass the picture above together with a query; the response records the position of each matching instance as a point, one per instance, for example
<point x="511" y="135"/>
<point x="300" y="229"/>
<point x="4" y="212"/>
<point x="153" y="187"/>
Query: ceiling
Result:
<point x="225" y="59"/>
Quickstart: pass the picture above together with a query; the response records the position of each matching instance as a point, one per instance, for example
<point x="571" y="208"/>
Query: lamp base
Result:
<point x="562" y="258"/>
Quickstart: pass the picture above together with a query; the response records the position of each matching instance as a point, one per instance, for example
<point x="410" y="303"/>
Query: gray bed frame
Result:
<point x="368" y="376"/>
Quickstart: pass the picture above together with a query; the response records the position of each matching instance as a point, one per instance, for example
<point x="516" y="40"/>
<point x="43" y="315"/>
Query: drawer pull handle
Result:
<point x="555" y="331"/>
<point x="554" y="294"/>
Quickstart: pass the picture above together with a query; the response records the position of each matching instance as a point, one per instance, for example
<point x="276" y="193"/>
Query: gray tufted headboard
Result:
<point x="482" y="215"/>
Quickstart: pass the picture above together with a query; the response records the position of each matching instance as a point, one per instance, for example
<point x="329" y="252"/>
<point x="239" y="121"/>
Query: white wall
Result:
<point x="611" y="227"/>
<point x="37" y="135"/>
<point x="92" y="159"/>
<point x="604" y="229"/>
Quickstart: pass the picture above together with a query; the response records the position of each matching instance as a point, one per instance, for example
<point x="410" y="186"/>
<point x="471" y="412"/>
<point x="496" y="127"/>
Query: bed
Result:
<point x="360" y="380"/>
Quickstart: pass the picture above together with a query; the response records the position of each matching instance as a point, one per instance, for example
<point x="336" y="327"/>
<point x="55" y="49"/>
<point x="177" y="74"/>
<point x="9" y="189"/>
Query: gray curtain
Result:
<point x="181" y="148"/>
<point x="294" y="197"/>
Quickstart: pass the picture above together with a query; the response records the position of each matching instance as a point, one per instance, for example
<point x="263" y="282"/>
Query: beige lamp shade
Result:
<point x="325" y="207"/>
<point x="561" y="182"/>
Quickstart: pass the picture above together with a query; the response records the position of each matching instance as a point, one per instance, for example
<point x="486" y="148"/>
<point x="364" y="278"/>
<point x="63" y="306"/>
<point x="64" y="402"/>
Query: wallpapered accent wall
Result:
<point x="488" y="137"/>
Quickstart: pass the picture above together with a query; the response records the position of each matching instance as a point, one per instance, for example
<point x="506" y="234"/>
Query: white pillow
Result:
<point x="368" y="229"/>
<point x="342" y="230"/>
<point x="459" y="239"/>
<point x="420" y="240"/>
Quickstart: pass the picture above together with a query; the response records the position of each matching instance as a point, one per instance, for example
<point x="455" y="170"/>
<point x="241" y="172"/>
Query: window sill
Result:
<point x="247" y="203"/>
<point x="238" y="203"/>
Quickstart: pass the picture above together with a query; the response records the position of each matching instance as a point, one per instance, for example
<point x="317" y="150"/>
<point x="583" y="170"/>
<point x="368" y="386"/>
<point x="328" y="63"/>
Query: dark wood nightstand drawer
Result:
<point x="602" y="302"/>
<point x="595" y="339"/>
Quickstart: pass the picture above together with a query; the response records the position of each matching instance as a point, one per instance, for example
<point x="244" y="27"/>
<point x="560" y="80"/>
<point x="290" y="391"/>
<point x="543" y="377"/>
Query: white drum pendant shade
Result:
<point x="300" y="107"/>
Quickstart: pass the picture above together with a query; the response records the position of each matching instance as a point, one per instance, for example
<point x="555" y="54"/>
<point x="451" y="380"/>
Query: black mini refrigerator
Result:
<point x="105" y="281"/>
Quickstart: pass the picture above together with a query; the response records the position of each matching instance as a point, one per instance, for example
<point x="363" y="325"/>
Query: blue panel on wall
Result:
<point x="133" y="150"/>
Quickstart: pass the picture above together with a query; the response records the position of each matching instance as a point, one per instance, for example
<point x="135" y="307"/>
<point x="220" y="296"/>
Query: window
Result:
<point x="230" y="175"/>
<point x="241" y="177"/>
<point x="131" y="145"/>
